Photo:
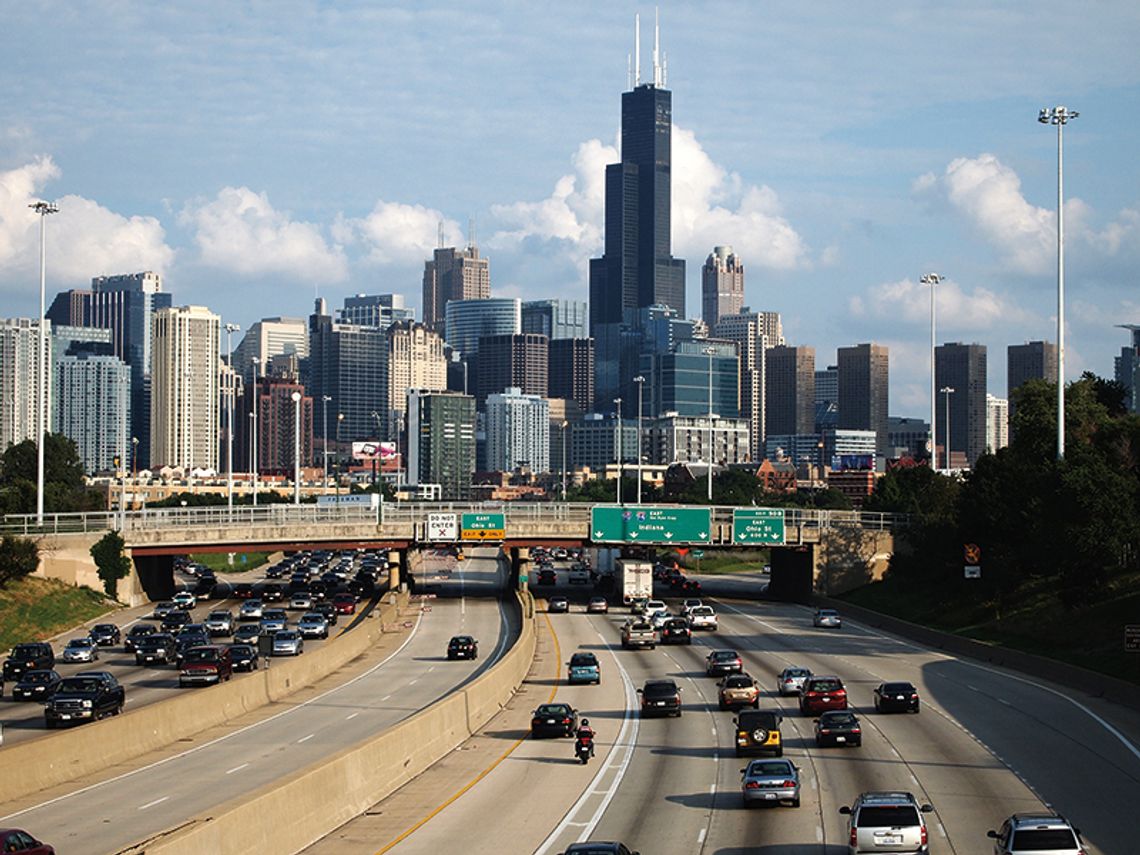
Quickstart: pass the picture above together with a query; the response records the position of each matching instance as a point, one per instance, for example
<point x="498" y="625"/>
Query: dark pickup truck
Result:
<point x="87" y="696"/>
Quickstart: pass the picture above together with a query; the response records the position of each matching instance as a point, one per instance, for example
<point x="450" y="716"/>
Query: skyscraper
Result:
<point x="1127" y="367"/>
<point x="375" y="310"/>
<point x="441" y="442"/>
<point x="91" y="396"/>
<point x="1032" y="360"/>
<point x="961" y="367"/>
<point x="722" y="285"/>
<point x="267" y="338"/>
<point x="348" y="363"/>
<point x="453" y="274"/>
<point x="637" y="267"/>
<point x="520" y="361"/>
<point x="415" y="361"/>
<point x="185" y="384"/>
<point x="518" y="432"/>
<point x="997" y="423"/>
<point x="467" y="321"/>
<point x="863" y="390"/>
<point x="20" y="378"/>
<point x="571" y="371"/>
<point x="556" y="319"/>
<point x="789" y="394"/>
<point x="754" y="333"/>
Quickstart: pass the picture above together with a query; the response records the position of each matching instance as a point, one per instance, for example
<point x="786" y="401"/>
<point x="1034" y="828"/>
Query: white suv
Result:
<point x="1033" y="833"/>
<point x="887" y="822"/>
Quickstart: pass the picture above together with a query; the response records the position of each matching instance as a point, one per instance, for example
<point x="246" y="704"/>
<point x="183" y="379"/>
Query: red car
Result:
<point x="345" y="604"/>
<point x="820" y="694"/>
<point x="15" y="840"/>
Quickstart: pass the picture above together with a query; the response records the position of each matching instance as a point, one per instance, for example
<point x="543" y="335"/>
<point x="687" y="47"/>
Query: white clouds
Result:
<point x="240" y="231"/>
<point x="909" y="302"/>
<point x="395" y="233"/>
<point x="84" y="238"/>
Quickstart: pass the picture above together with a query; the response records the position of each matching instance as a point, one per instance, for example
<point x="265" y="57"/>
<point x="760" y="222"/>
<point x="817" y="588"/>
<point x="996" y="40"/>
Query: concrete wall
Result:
<point x="849" y="558"/>
<point x="67" y="558"/>
<point x="287" y="816"/>
<point x="92" y="748"/>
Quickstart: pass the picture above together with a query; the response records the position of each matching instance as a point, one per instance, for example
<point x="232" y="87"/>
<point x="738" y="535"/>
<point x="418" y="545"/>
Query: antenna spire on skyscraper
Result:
<point x="636" y="49"/>
<point x="656" y="48"/>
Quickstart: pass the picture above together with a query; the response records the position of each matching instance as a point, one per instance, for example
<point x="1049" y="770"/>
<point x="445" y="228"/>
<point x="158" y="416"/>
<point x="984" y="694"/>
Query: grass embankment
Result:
<point x="33" y="609"/>
<point x="1033" y="620"/>
<point x="716" y="561"/>
<point x="219" y="561"/>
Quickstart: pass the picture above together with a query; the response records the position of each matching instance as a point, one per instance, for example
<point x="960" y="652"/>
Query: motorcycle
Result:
<point x="584" y="748"/>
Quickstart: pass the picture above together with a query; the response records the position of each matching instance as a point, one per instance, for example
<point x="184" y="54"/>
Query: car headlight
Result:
<point x="87" y="705"/>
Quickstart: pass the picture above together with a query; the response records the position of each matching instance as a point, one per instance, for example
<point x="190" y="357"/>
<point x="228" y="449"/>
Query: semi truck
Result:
<point x="635" y="580"/>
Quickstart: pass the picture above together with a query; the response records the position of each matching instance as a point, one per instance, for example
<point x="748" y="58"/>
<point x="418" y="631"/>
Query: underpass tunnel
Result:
<point x="156" y="575"/>
<point x="792" y="576"/>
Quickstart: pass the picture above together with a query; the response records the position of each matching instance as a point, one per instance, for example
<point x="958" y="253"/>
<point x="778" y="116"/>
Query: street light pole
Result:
<point x="565" y="423"/>
<point x="617" y="454"/>
<point x="339" y="422"/>
<point x="710" y="351"/>
<point x="230" y="330"/>
<point x="1060" y="116"/>
<point x="253" y="416"/>
<point x="376" y="457"/>
<point x="43" y="209"/>
<point x="296" y="396"/>
<point x="640" y="381"/>
<point x="947" y="391"/>
<point x="932" y="279"/>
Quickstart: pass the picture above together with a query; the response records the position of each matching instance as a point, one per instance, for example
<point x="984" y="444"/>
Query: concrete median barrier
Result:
<point x="29" y="767"/>
<point x="289" y="815"/>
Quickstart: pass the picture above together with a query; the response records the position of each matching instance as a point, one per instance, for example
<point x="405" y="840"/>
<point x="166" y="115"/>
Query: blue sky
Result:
<point x="259" y="153"/>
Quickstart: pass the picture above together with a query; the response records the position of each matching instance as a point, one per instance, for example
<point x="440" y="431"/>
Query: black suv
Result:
<point x="660" y="697"/>
<point x="88" y="696"/>
<point x="462" y="647"/>
<point x="29" y="656"/>
<point x="156" y="648"/>
<point x="676" y="630"/>
<point x="136" y="633"/>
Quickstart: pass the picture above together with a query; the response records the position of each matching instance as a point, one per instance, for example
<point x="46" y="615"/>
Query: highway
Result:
<point x="985" y="745"/>
<point x="160" y="795"/>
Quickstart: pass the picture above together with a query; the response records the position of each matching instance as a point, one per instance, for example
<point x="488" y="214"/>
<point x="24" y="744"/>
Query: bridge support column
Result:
<point x="397" y="563"/>
<point x="793" y="570"/>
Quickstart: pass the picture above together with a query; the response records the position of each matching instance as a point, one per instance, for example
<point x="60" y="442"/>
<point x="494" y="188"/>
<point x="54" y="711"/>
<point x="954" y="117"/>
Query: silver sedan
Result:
<point x="773" y="781"/>
<point x="80" y="650"/>
<point x="791" y="680"/>
<point x="288" y="642"/>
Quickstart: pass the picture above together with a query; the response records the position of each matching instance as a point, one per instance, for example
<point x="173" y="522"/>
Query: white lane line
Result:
<point x="413" y="682"/>
<point x="351" y="716"/>
<point x="152" y="804"/>
<point x="236" y="769"/>
<point x="305" y="738"/>
<point x="385" y="697"/>
<point x="701" y="837"/>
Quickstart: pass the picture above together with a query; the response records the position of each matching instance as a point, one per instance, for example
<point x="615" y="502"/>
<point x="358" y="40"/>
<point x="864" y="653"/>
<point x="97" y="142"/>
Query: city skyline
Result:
<point x="330" y="167"/>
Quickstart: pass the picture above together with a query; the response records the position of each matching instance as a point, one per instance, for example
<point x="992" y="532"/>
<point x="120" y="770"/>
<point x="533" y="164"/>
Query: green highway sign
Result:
<point x="644" y="524"/>
<point x="698" y="553"/>
<point x="483" y="527"/>
<point x="758" y="525"/>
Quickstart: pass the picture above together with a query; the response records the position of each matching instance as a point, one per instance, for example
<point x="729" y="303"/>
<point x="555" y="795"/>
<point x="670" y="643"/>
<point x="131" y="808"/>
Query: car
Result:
<point x="583" y="667"/>
<point x="344" y="604"/>
<point x="599" y="847"/>
<point x="790" y="681"/>
<point x="185" y="600"/>
<point x="136" y="633"/>
<point x="720" y="662"/>
<point x="660" y="697"/>
<point x="302" y="600"/>
<point x="37" y="685"/>
<point x="770" y="781"/>
<point x="547" y="576"/>
<point x="28" y="656"/>
<point x="273" y="620"/>
<point x="1035" y="833"/>
<point x="273" y="592"/>
<point x="242" y="591"/>
<point x="175" y="620"/>
<point x="205" y="665"/>
<point x="693" y="586"/>
<point x="247" y="633"/>
<point x="758" y="732"/>
<point x="462" y="647"/>
<point x="828" y="618"/>
<point x="185" y="643"/>
<point x="158" y="647"/>
<point x="162" y="609"/>
<point x="702" y="617"/>
<point x="598" y="605"/>
<point x="206" y="588"/>
<point x="80" y="650"/>
<point x="86" y="696"/>
<point x="838" y="727"/>
<point x="16" y="840"/>
<point x="738" y="690"/>
<point x="313" y="625"/>
<point x="690" y="604"/>
<point x="658" y="619"/>
<point x="244" y="657"/>
<point x="896" y="696"/>
<point x="288" y="642"/>
<point x="220" y="622"/>
<point x="328" y="610"/>
<point x="276" y="571"/>
<point x="553" y="720"/>
<point x="638" y="605"/>
<point x="655" y="607"/>
<point x="676" y="630"/>
<point x="251" y="609"/>
<point x="558" y="605"/>
<point x="886" y="822"/>
<point x="106" y="634"/>
<point x="821" y="694"/>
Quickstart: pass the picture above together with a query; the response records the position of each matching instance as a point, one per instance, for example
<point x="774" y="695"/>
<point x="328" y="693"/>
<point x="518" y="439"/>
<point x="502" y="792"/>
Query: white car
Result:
<point x="251" y="610"/>
<point x="689" y="605"/>
<point x="80" y="650"/>
<point x="702" y="617"/>
<point x="654" y="607"/>
<point x="827" y="618"/>
<point x="185" y="600"/>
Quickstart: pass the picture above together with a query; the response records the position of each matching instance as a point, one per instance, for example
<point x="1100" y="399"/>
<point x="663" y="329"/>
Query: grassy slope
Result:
<point x="33" y="609"/>
<point x="219" y="561"/>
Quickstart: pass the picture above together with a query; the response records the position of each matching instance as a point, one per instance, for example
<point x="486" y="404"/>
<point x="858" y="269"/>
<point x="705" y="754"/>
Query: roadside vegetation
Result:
<point x="219" y="561"/>
<point x="33" y="609"/>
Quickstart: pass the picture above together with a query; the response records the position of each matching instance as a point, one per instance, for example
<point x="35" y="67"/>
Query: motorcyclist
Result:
<point x="585" y="735"/>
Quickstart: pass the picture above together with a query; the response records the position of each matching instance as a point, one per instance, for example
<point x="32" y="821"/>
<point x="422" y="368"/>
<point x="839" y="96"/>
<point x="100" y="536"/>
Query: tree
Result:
<point x="112" y="562"/>
<point x="18" y="558"/>
<point x="64" y="486"/>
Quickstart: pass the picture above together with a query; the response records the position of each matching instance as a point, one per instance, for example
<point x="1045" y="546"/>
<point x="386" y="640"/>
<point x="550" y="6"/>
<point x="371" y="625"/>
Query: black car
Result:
<point x="660" y="697"/>
<point x="88" y="696"/>
<point x="462" y="647"/>
<point x="186" y="642"/>
<point x="136" y="633"/>
<point x="553" y="720"/>
<point x="327" y="609"/>
<point x="273" y="592"/>
<point x="546" y="577"/>
<point x="242" y="591"/>
<point x="244" y="657"/>
<point x="38" y="685"/>
<point x="29" y="656"/>
<point x="838" y="727"/>
<point x="901" y="697"/>
<point x="599" y="847"/>
<point x="676" y="631"/>
<point x="105" y="634"/>
<point x="156" y="648"/>
<point x="175" y="620"/>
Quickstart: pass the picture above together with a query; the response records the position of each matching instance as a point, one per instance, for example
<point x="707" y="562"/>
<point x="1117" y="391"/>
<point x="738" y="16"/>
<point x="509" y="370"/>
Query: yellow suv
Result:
<point x="758" y="732"/>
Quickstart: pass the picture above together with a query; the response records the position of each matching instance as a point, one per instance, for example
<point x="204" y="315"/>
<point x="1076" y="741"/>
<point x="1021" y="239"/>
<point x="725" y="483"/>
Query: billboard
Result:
<point x="374" y="450"/>
<point x="847" y="462"/>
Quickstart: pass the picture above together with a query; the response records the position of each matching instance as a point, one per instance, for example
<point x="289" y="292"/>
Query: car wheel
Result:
<point x="916" y="707"/>
<point x="780" y="751"/>
<point x="795" y="802"/>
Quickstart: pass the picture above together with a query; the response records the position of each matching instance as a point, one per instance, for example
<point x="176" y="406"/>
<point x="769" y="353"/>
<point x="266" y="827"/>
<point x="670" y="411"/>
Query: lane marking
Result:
<point x="236" y="769"/>
<point x="351" y="716"/>
<point x="305" y="738"/>
<point x="152" y="804"/>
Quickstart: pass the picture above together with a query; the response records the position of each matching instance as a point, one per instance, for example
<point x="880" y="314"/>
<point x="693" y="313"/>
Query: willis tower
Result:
<point x="637" y="268"/>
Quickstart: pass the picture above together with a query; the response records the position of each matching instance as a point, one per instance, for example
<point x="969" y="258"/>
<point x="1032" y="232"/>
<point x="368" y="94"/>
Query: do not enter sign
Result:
<point x="973" y="553"/>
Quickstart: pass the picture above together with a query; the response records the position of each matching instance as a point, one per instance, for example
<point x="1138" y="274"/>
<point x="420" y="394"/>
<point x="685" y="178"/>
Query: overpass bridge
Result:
<point x="821" y="551"/>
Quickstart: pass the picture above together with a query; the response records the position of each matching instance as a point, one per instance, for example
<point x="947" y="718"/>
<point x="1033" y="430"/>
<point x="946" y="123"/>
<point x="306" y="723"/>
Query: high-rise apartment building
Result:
<point x="185" y="370"/>
<point x="349" y="364"/>
<point x="21" y="375"/>
<point x="415" y="361"/>
<point x="722" y="285"/>
<point x="441" y="442"/>
<point x="518" y="432"/>
<point x="863" y="374"/>
<point x="962" y="368"/>
<point x="453" y="274"/>
<point x="997" y="423"/>
<point x="556" y="319"/>
<point x="789" y="394"/>
<point x="1034" y="360"/>
<point x="672" y="438"/>
<point x="266" y="339"/>
<point x="571" y="371"/>
<point x="91" y="397"/>
<point x="512" y="361"/>
<point x="753" y="333"/>
<point x="375" y="310"/>
<point x="637" y="267"/>
<point x="1127" y="367"/>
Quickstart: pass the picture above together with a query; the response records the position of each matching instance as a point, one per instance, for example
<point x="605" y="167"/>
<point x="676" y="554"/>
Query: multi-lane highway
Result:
<point x="986" y="744"/>
<point x="158" y="796"/>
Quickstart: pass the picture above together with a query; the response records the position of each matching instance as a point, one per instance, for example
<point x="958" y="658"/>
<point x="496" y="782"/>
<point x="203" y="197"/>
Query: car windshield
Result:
<point x="583" y="659"/>
<point x="797" y="672"/>
<point x="37" y="677"/>
<point x="219" y="616"/>
<point x="461" y="639"/>
<point x="701" y="610"/>
<point x="659" y="690"/>
<point x="241" y="649"/>
<point x="837" y="719"/>
<point x="827" y="613"/>
<point x="766" y="720"/>
<point x="1042" y="839"/>
<point x="723" y="655"/>
<point x="897" y="688"/>
<point x="79" y="684"/>
<point x="553" y="709"/>
<point x="770" y="767"/>
<point x="738" y="682"/>
<point x="832" y="685"/>
<point x="79" y="642"/>
<point x="202" y="655"/>
<point x="286" y="636"/>
<point x="887" y="816"/>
